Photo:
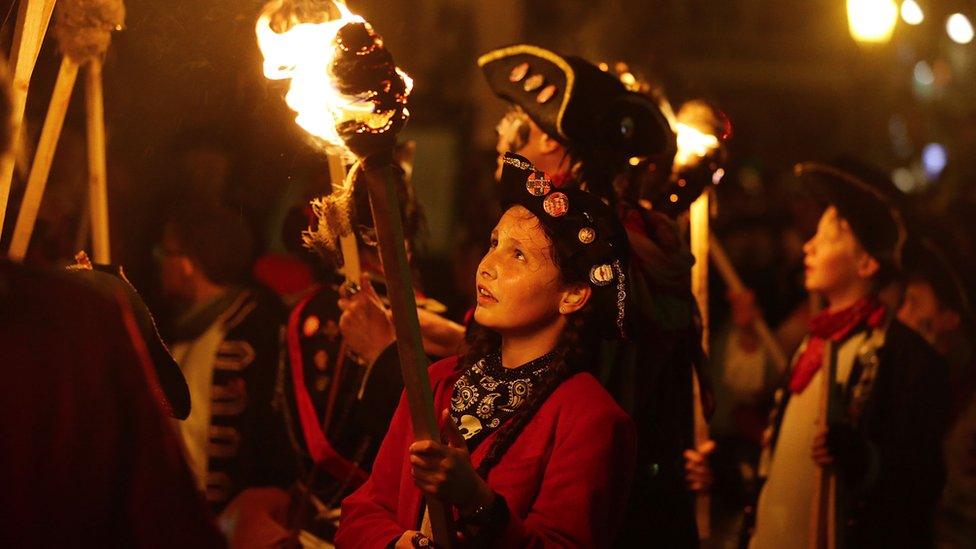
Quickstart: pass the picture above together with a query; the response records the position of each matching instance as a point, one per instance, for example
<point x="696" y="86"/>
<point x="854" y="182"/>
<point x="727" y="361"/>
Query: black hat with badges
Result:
<point x="585" y="230"/>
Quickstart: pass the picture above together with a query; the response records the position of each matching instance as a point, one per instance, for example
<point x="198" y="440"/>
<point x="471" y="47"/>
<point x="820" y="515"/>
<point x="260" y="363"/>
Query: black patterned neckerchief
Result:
<point x="487" y="394"/>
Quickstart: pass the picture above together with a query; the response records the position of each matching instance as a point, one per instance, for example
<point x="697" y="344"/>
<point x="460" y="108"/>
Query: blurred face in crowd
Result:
<point x="518" y="133"/>
<point x="836" y="265"/>
<point x="922" y="312"/>
<point x="175" y="268"/>
<point x="519" y="287"/>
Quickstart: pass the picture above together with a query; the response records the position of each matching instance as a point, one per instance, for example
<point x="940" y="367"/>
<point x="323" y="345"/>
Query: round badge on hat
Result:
<point x="556" y="204"/>
<point x="586" y="235"/>
<point x="538" y="184"/>
<point x="601" y="275"/>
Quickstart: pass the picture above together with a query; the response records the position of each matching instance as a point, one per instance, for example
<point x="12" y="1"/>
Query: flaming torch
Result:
<point x="351" y="98"/>
<point x="700" y="130"/>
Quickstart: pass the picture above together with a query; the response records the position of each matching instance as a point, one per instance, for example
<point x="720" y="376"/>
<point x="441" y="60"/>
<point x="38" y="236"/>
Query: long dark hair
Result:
<point x="571" y="356"/>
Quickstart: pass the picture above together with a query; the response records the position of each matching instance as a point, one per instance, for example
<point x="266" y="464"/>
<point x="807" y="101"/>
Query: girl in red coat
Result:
<point x="535" y="452"/>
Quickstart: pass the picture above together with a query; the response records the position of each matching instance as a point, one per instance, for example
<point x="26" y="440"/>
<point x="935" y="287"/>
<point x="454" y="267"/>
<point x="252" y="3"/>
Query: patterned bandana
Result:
<point x="487" y="394"/>
<point x="833" y="326"/>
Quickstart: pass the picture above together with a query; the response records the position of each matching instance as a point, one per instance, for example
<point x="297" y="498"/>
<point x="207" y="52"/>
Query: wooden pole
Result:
<point x="33" y="17"/>
<point x="731" y="277"/>
<point x="698" y="233"/>
<point x="97" y="178"/>
<point x="351" y="268"/>
<point x="413" y="362"/>
<point x="822" y="532"/>
<point x="41" y="167"/>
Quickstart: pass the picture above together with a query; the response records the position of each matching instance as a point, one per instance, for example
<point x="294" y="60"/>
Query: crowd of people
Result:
<point x="272" y="415"/>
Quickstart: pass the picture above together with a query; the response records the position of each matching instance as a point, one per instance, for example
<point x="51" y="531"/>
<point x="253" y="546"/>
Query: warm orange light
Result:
<point x="872" y="20"/>
<point x="693" y="144"/>
<point x="304" y="54"/>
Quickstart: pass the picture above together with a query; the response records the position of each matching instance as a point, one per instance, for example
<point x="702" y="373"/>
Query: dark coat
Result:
<point x="88" y="458"/>
<point x="895" y="473"/>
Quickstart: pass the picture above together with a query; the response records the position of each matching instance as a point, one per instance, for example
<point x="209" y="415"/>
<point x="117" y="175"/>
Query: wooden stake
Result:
<point x="41" y="167"/>
<point x="33" y="17"/>
<point x="413" y="361"/>
<point x="351" y="268"/>
<point x="822" y="533"/>
<point x="731" y="277"/>
<point x="698" y="233"/>
<point x="97" y="177"/>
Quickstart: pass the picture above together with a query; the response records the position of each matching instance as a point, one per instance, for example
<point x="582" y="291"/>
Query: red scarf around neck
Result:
<point x="835" y="327"/>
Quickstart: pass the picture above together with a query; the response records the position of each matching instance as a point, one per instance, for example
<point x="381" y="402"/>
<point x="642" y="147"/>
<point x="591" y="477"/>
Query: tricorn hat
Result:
<point x="868" y="201"/>
<point x="586" y="231"/>
<point x="576" y="103"/>
<point x="928" y="259"/>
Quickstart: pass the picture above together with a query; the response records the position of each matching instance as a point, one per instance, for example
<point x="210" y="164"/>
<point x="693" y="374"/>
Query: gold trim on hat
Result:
<point x="502" y="53"/>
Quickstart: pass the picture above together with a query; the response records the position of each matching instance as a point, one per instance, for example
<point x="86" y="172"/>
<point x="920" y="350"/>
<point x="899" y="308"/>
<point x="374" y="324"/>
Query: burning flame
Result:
<point x="304" y="54"/>
<point x="693" y="144"/>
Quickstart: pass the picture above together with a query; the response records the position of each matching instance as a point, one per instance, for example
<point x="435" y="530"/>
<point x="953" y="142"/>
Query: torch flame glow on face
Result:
<point x="304" y="54"/>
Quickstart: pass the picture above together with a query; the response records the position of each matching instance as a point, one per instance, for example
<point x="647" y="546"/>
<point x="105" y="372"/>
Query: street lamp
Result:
<point x="872" y="21"/>
<point x="959" y="28"/>
<point x="911" y="12"/>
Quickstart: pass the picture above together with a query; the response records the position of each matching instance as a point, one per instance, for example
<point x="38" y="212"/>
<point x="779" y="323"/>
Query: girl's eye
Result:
<point x="493" y="243"/>
<point x="519" y="255"/>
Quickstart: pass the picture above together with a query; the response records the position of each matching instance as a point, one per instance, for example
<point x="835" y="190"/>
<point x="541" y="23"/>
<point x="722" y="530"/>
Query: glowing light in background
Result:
<point x="904" y="180"/>
<point x="717" y="176"/>
<point x="911" y="12"/>
<point x="959" y="28"/>
<point x="872" y="20"/>
<point x="934" y="160"/>
<point x="923" y="73"/>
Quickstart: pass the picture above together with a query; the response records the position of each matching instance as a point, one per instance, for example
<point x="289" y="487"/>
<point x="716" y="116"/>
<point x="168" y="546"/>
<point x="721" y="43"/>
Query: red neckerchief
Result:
<point x="833" y="326"/>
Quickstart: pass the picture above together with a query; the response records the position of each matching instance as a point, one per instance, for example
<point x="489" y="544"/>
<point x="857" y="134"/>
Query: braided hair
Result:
<point x="570" y="358"/>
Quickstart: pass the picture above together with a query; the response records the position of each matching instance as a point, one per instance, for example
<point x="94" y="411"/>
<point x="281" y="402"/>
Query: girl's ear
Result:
<point x="574" y="298"/>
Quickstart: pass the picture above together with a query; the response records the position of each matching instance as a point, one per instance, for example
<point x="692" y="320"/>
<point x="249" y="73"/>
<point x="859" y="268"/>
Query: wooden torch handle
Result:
<point x="43" y="158"/>
<point x="33" y="17"/>
<point x="731" y="278"/>
<point x="698" y="233"/>
<point x="400" y="290"/>
<point x="97" y="177"/>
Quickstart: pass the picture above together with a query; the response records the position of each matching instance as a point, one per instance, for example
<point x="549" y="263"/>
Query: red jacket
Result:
<point x="88" y="458"/>
<point x="565" y="479"/>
